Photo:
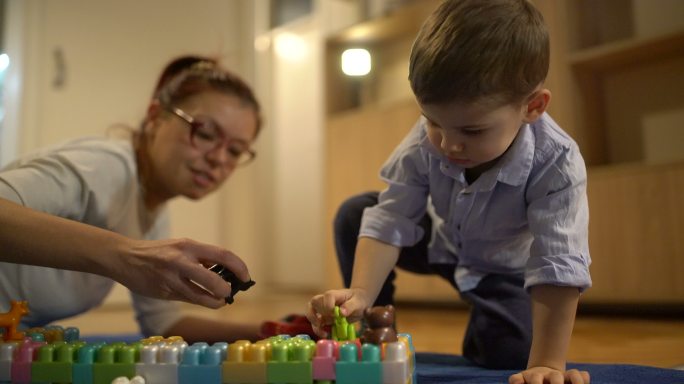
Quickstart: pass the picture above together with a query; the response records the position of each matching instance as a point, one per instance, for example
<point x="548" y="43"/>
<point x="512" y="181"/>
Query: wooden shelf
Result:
<point x="628" y="52"/>
<point x="403" y="21"/>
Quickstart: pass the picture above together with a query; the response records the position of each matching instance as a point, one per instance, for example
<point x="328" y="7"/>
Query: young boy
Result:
<point x="504" y="186"/>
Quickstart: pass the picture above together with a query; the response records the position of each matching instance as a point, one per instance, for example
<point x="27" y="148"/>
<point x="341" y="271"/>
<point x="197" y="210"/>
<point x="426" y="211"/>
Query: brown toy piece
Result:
<point x="380" y="325"/>
<point x="10" y="320"/>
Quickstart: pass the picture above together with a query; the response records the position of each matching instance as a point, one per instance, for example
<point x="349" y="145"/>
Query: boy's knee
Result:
<point x="351" y="210"/>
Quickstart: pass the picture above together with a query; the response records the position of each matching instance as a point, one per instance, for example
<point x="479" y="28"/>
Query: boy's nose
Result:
<point x="451" y="147"/>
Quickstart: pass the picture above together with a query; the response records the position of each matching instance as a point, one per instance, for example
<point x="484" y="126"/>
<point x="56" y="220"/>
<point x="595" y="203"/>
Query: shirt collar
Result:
<point x="516" y="163"/>
<point x="514" y="166"/>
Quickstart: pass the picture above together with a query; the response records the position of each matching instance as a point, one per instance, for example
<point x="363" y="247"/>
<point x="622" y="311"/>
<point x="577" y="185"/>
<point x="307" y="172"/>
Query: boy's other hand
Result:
<point x="352" y="303"/>
<point x="544" y="375"/>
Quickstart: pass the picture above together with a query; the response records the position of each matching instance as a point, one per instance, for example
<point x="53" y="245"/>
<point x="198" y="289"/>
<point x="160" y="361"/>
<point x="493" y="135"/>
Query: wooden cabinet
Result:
<point x="617" y="74"/>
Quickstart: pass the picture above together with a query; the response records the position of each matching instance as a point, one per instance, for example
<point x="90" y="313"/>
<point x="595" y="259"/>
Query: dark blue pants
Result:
<point x="499" y="332"/>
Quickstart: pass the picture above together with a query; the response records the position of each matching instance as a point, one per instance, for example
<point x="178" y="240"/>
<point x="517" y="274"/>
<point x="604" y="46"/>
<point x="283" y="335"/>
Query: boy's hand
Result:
<point x="352" y="303"/>
<point x="544" y="375"/>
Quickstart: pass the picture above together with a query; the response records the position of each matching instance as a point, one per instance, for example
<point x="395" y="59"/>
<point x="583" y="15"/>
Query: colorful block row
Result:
<point x="280" y="359"/>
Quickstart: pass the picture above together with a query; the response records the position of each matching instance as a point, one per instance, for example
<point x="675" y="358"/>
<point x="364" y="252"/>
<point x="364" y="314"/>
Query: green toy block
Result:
<point x="291" y="361"/>
<point x="114" y="361"/>
<point x="54" y="363"/>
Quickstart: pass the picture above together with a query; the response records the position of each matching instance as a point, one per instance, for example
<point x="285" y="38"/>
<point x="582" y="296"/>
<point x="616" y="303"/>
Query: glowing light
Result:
<point x="356" y="62"/>
<point x="290" y="46"/>
<point x="4" y="62"/>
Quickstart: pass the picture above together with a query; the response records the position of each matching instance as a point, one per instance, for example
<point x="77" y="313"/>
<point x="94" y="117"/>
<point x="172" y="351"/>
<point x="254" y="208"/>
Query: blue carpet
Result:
<point x="440" y="368"/>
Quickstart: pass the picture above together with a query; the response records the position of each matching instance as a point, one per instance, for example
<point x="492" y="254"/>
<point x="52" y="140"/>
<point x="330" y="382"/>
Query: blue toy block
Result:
<point x="71" y="334"/>
<point x="349" y="370"/>
<point x="82" y="368"/>
<point x="200" y="364"/>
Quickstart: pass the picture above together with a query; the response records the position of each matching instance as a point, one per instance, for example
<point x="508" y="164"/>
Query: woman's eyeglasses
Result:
<point x="207" y="137"/>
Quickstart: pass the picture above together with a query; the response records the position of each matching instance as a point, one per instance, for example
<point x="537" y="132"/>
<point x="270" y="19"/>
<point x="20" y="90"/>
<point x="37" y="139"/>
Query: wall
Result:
<point x="112" y="53"/>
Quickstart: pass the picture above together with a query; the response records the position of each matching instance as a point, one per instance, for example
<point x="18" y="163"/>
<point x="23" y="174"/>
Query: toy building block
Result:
<point x="246" y="363"/>
<point x="349" y="370"/>
<point x="54" y="362"/>
<point x="125" y="380"/>
<point x="341" y="329"/>
<point x="159" y="360"/>
<point x="323" y="362"/>
<point x="114" y="360"/>
<point x="406" y="339"/>
<point x="236" y="285"/>
<point x="11" y="320"/>
<point x="200" y="364"/>
<point x="395" y="366"/>
<point x="82" y="368"/>
<point x="291" y="361"/>
<point x="22" y="359"/>
<point x="159" y="363"/>
<point x="71" y="334"/>
<point x="6" y="356"/>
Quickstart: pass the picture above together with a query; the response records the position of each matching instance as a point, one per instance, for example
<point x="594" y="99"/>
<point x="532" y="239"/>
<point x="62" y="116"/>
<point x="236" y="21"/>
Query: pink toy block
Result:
<point x="22" y="359"/>
<point x="323" y="362"/>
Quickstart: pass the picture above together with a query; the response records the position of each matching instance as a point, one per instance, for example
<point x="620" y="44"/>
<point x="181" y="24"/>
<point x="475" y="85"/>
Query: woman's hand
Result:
<point x="174" y="269"/>
<point x="545" y="375"/>
<point x="352" y="303"/>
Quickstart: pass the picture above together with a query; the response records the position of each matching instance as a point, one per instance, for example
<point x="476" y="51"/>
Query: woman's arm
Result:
<point x="160" y="268"/>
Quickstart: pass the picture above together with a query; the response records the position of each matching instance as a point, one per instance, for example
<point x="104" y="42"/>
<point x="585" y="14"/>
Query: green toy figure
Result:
<point x="341" y="329"/>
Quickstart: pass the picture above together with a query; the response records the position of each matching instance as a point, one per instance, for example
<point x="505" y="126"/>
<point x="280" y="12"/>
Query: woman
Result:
<point x="199" y="127"/>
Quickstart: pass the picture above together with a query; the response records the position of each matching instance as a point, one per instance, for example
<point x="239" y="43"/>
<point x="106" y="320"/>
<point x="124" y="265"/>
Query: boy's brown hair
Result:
<point x="480" y="51"/>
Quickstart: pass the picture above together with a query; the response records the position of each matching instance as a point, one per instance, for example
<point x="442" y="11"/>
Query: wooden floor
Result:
<point x="608" y="339"/>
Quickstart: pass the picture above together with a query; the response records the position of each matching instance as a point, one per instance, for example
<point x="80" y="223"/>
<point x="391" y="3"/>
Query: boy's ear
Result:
<point x="536" y="105"/>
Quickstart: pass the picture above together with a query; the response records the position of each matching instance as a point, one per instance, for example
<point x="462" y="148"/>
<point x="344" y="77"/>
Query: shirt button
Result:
<point x="459" y="245"/>
<point x="458" y="227"/>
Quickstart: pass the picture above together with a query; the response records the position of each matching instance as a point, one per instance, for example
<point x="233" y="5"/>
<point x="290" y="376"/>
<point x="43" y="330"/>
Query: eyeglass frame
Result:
<point x="193" y="123"/>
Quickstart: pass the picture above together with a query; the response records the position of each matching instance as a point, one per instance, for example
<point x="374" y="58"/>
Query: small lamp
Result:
<point x="356" y="62"/>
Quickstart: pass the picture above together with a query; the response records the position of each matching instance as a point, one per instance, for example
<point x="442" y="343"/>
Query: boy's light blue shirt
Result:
<point x="528" y="213"/>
